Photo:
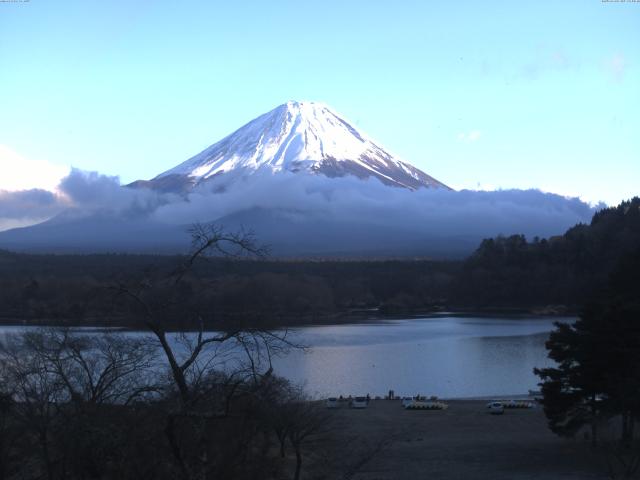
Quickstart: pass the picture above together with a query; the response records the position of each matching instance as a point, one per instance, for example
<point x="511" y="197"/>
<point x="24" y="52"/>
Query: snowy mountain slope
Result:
<point x="299" y="137"/>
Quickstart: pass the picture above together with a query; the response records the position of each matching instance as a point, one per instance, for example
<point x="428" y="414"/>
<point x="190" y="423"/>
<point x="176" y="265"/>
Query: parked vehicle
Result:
<point x="495" y="408"/>
<point x="332" y="402"/>
<point x="518" y="404"/>
<point x="421" y="405"/>
<point x="359" y="402"/>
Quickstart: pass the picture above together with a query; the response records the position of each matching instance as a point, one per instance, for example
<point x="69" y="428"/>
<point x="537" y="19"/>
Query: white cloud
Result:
<point x="560" y="59"/>
<point x="302" y="206"/>
<point x="616" y="65"/>
<point x="470" y="136"/>
<point x="25" y="207"/>
<point x="20" y="173"/>
<point x="546" y="61"/>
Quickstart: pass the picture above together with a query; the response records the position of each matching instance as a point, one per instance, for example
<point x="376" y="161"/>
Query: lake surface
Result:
<point x="444" y="356"/>
<point x="447" y="356"/>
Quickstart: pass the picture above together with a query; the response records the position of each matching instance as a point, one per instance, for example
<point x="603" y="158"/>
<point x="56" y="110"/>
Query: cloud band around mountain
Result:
<point x="301" y="203"/>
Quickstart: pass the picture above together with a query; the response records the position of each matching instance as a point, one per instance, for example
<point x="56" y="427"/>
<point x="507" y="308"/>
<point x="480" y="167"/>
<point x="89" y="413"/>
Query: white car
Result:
<point x="495" y="408"/>
<point x="359" y="402"/>
<point x="332" y="402"/>
<point x="407" y="402"/>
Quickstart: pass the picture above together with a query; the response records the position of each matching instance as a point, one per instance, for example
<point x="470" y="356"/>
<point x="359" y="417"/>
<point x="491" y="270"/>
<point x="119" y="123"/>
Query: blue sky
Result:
<point x="478" y="94"/>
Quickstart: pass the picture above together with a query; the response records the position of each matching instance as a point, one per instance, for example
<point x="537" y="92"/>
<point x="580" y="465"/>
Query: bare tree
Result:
<point x="6" y="407"/>
<point x="106" y="368"/>
<point x="160" y="304"/>
<point x="74" y="391"/>
<point x="37" y="395"/>
<point x="63" y="384"/>
<point x="242" y="352"/>
<point x="293" y="416"/>
<point x="307" y="419"/>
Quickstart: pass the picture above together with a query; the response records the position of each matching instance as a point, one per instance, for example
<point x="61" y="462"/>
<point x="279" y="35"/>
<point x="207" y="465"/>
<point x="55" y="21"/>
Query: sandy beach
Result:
<point x="385" y="442"/>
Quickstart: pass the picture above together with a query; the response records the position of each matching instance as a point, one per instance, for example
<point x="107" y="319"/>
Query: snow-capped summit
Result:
<point x="301" y="137"/>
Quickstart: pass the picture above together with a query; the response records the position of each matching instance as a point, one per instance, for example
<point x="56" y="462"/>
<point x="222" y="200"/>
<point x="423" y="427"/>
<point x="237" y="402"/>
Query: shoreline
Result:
<point x="377" y="387"/>
<point x="462" y="441"/>
<point x="344" y="318"/>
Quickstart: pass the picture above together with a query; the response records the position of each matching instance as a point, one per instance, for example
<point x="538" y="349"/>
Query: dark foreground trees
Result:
<point x="212" y="361"/>
<point x="153" y="404"/>
<point x="77" y="405"/>
<point x="597" y="381"/>
<point x="66" y="395"/>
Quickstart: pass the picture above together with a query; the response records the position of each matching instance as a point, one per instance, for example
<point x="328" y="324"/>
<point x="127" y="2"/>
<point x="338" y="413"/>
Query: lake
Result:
<point x="451" y="357"/>
<point x="446" y="356"/>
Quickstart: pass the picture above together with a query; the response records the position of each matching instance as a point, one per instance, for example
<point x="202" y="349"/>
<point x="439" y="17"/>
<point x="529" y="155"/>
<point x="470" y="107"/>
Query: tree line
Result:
<point x="510" y="273"/>
<point x="565" y="270"/>
<point x="594" y="387"/>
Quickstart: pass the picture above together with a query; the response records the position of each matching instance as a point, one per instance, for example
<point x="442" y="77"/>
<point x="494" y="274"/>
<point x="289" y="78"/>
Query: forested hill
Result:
<point x="556" y="275"/>
<point x="564" y="270"/>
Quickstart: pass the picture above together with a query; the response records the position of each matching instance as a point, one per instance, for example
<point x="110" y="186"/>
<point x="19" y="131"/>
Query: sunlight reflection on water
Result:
<point x="444" y="356"/>
<point x="447" y="357"/>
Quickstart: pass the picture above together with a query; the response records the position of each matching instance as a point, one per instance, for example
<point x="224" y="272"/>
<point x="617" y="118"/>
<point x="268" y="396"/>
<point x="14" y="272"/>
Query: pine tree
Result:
<point x="597" y="376"/>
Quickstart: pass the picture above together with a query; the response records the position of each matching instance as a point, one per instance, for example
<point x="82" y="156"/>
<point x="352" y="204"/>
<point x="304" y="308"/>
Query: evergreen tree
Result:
<point x="598" y="360"/>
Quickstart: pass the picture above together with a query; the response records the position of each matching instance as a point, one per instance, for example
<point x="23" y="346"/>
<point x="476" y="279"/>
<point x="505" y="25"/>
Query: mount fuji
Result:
<point x="308" y="184"/>
<point x="296" y="137"/>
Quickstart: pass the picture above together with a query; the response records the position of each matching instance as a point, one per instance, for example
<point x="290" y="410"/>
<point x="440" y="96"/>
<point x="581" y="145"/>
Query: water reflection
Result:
<point x="448" y="357"/>
<point x="443" y="356"/>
